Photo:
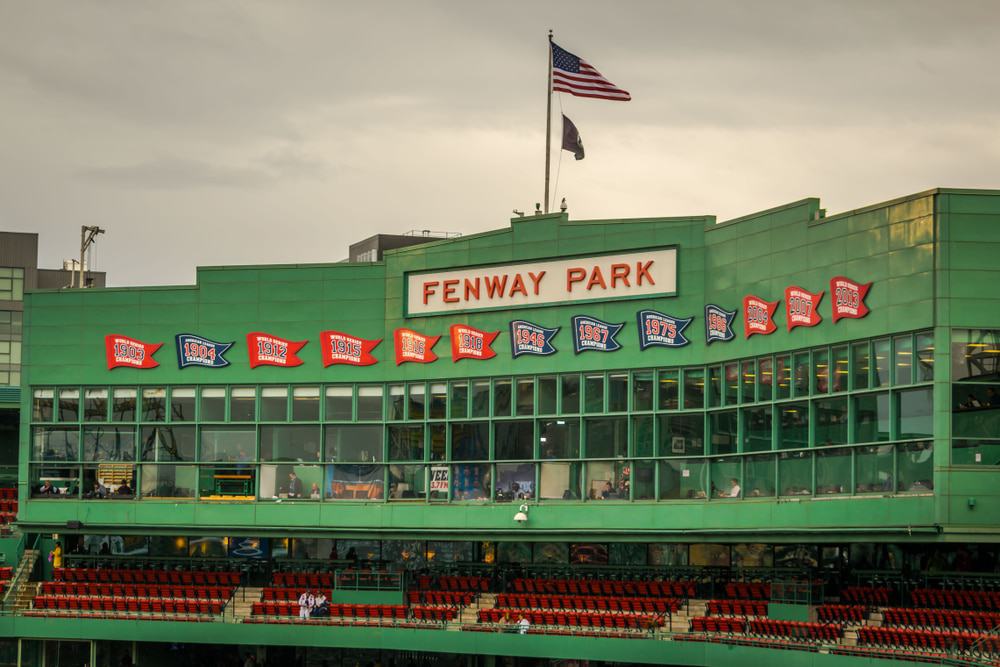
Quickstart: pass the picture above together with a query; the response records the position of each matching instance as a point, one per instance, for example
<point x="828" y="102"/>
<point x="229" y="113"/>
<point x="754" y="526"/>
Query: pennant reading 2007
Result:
<point x="848" y="298"/>
<point x="122" y="351"/>
<point x="267" y="350"/>
<point x="655" y="328"/>
<point x="802" y="308"/>
<point x="194" y="350"/>
<point x="528" y="338"/>
<point x="593" y="334"/>
<point x="758" y="316"/>
<point x="340" y="348"/>
<point x="718" y="324"/>
<point x="414" y="347"/>
<point x="471" y="343"/>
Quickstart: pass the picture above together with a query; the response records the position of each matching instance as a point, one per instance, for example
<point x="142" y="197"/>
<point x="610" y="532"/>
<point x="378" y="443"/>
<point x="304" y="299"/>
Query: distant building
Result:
<point x="373" y="247"/>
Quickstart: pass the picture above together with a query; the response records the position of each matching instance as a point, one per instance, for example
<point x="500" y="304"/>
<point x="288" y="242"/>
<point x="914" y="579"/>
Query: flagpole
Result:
<point x="548" y="121"/>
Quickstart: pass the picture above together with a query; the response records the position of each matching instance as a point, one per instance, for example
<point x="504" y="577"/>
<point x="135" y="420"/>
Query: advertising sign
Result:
<point x="802" y="307"/>
<point x="341" y="348"/>
<point x="194" y="350"/>
<point x="122" y="351"/>
<point x="471" y="343"/>
<point x="656" y="328"/>
<point x="591" y="334"/>
<point x="848" y="298"/>
<point x="439" y="478"/>
<point x="528" y="338"/>
<point x="414" y="347"/>
<point x="267" y="350"/>
<point x="718" y="324"/>
<point x="758" y="316"/>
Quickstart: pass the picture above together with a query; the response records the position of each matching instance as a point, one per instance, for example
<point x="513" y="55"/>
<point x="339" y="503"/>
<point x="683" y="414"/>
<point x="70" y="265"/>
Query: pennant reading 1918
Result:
<point x="267" y="350"/>
<point x="414" y="347"/>
<point x="194" y="350"/>
<point x="802" y="307"/>
<point x="591" y="334"/>
<point x="848" y="298"/>
<point x="718" y="324"/>
<point x="528" y="338"/>
<point x="122" y="351"/>
<point x="340" y="348"/>
<point x="471" y="343"/>
<point x="656" y="328"/>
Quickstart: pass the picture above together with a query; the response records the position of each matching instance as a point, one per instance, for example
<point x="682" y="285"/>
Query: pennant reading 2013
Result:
<point x="122" y="351"/>
<point x="758" y="316"/>
<point x="414" y="347"/>
<point x="528" y="338"/>
<point x="471" y="343"/>
<point x="194" y="350"/>
<point x="340" y="348"/>
<point x="848" y="298"/>
<point x="267" y="350"/>
<point x="655" y="328"/>
<point x="802" y="308"/>
<point x="718" y="324"/>
<point x="590" y="334"/>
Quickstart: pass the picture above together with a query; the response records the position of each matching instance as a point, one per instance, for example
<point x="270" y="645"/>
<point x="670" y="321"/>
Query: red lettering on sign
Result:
<point x="448" y="289"/>
<point x="495" y="285"/>
<point x="574" y="275"/>
<point x="642" y="269"/>
<point x="596" y="278"/>
<point x="518" y="285"/>
<point x="536" y="278"/>
<point x="471" y="288"/>
<point x="429" y="290"/>
<point x="620" y="272"/>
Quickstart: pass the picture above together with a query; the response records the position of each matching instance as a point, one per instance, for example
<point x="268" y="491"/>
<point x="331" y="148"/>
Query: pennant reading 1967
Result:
<point x="758" y="316"/>
<point x="471" y="343"/>
<point x="267" y="350"/>
<point x="194" y="350"/>
<point x="341" y="348"/>
<point x="129" y="352"/>
<point x="414" y="347"/>
<point x="528" y="338"/>
<point x="718" y="324"/>
<point x="848" y="298"/>
<point x="593" y="334"/>
<point x="802" y="308"/>
<point x="655" y="328"/>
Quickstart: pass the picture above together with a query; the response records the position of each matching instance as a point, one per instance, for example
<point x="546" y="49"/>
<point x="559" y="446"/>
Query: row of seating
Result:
<point x="983" y="621"/>
<point x="8" y="507"/>
<point x="637" y="588"/>
<point x="956" y="599"/>
<point x="454" y="583"/>
<point x="737" y="607"/>
<point x="841" y="613"/>
<point x="939" y="640"/>
<point x="8" y="493"/>
<point x="291" y="594"/>
<point x="135" y="590"/>
<point x="7" y="518"/>
<point x="718" y="624"/>
<point x="153" y="605"/>
<point x="869" y="595"/>
<point x="6" y="573"/>
<point x="456" y="598"/>
<point x="327" y="620"/>
<point x="283" y="608"/>
<point x="120" y="616"/>
<point x="303" y="580"/>
<point x="133" y="576"/>
<point x="799" y="630"/>
<point x="566" y="632"/>
<point x="599" y="603"/>
<point x="748" y="590"/>
<point x="571" y="618"/>
<point x="442" y="614"/>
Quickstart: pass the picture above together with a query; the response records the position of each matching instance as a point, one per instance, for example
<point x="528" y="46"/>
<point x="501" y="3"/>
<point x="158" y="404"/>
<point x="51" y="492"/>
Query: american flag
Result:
<point x="574" y="75"/>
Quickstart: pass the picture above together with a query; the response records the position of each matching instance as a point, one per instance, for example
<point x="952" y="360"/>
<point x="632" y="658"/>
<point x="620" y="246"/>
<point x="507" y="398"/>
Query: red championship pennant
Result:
<point x="848" y="298"/>
<point x="801" y="308"/>
<point x="411" y="346"/>
<point x="267" y="350"/>
<point x="129" y="352"/>
<point x="758" y="316"/>
<point x="471" y="343"/>
<point x="341" y="348"/>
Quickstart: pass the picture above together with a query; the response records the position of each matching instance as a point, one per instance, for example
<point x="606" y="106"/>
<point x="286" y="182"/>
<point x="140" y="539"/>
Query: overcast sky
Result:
<point x="204" y="133"/>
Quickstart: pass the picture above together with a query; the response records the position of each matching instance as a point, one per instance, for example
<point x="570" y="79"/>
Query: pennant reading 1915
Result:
<point x="802" y="307"/>
<point x="590" y="334"/>
<point x="655" y="328"/>
<point x="848" y="298"/>
<point x="528" y="338"/>
<point x="340" y="348"/>
<point x="758" y="316"/>
<point x="718" y="324"/>
<point x="471" y="343"/>
<point x="414" y="347"/>
<point x="267" y="350"/>
<point x="122" y="351"/>
<point x="194" y="350"/>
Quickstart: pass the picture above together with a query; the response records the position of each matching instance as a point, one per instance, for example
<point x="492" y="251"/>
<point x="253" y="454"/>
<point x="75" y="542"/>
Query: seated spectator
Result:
<point x="314" y="491"/>
<point x="97" y="491"/>
<point x="46" y="489"/>
<point x="125" y="489"/>
<point x="608" y="491"/>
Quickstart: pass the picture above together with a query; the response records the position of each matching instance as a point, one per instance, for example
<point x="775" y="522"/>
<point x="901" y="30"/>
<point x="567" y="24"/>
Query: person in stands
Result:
<point x="294" y="486"/>
<point x="305" y="606"/>
<point x="57" y="555"/>
<point x="523" y="625"/>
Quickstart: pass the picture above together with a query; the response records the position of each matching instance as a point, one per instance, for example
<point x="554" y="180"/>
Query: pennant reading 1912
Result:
<point x="267" y="350"/>
<point x="528" y="338"/>
<point x="848" y="298"/>
<point x="590" y="334"/>
<point x="802" y="307"/>
<point x="758" y="316"/>
<point x="718" y="324"/>
<point x="414" y="347"/>
<point x="340" y="348"/>
<point x="655" y="328"/>
<point x="194" y="350"/>
<point x="471" y="343"/>
<point x="122" y="351"/>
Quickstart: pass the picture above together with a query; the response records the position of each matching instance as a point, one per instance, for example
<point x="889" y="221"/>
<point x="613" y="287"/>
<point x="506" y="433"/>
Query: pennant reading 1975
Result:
<point x="848" y="298"/>
<point x="528" y="338"/>
<point x="122" y="351"/>
<point x="267" y="350"/>
<point x="718" y="324"/>
<point x="594" y="335"/>
<point x="341" y="348"/>
<point x="471" y="343"/>
<point x="194" y="350"/>
<point x="758" y="316"/>
<point x="802" y="307"/>
<point x="414" y="347"/>
<point x="655" y="328"/>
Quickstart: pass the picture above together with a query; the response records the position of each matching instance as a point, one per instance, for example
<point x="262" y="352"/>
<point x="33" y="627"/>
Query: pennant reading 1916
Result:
<point x="471" y="343"/>
<point x="194" y="350"/>
<point x="267" y="350"/>
<point x="340" y="348"/>
<point x="528" y="338"/>
<point x="655" y="328"/>
<point x="802" y="307"/>
<point x="414" y="347"/>
<point x="122" y="351"/>
<point x="718" y="324"/>
<point x="848" y="298"/>
<point x="758" y="316"/>
<point x="591" y="334"/>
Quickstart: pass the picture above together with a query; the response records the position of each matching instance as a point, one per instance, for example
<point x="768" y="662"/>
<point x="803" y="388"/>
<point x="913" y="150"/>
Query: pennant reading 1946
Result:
<point x="528" y="338"/>
<point x="655" y="328"/>
<point x="718" y="324"/>
<point x="414" y="347"/>
<point x="194" y="350"/>
<point x="471" y="343"/>
<point x="591" y="334"/>
<point x="848" y="298"/>
<point x="267" y="350"/>
<point x="758" y="316"/>
<point x="802" y="307"/>
<point x="122" y="351"/>
<point x="341" y="348"/>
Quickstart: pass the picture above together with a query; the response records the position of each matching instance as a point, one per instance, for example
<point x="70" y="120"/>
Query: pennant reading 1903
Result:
<point x="758" y="316"/>
<point x="194" y="350"/>
<point x="593" y="334"/>
<point x="655" y="328"/>
<point x="471" y="343"/>
<point x="341" y="348"/>
<point x="415" y="347"/>
<point x="528" y="338"/>
<point x="267" y="350"/>
<point x="718" y="324"/>
<point x="129" y="352"/>
<point x="802" y="307"/>
<point x="848" y="298"/>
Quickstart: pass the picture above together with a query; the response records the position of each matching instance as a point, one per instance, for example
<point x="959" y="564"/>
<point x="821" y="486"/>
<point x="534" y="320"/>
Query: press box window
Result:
<point x="95" y="405"/>
<point x="69" y="405"/>
<point x="41" y="406"/>
<point x="305" y="404"/>
<point x="242" y="404"/>
<point x="123" y="405"/>
<point x="182" y="404"/>
<point x="274" y="404"/>
<point x="338" y="402"/>
<point x="154" y="404"/>
<point x="370" y="403"/>
<point x="213" y="404"/>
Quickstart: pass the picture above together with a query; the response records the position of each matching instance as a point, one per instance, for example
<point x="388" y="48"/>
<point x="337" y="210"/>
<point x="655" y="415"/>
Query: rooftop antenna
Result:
<point x="88" y="236"/>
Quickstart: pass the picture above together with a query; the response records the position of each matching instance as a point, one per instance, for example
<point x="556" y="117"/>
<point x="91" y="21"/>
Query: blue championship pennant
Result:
<point x="655" y="328"/>
<point x="197" y="351"/>
<point x="718" y="324"/>
<point x="593" y="334"/>
<point x="528" y="338"/>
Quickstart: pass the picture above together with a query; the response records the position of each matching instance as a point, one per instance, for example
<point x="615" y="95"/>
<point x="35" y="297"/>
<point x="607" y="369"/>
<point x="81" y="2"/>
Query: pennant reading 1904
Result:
<point x="414" y="347"/>
<point x="267" y="350"/>
<point x="341" y="348"/>
<point x="593" y="334"/>
<point x="758" y="316"/>
<point x="194" y="350"/>
<point x="129" y="352"/>
<point x="802" y="307"/>
<point x="471" y="343"/>
<point x="848" y="298"/>
<point x="528" y="338"/>
<point x="718" y="324"/>
<point x="655" y="328"/>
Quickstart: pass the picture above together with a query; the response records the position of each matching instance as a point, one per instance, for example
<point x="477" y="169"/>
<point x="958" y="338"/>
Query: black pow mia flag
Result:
<point x="571" y="139"/>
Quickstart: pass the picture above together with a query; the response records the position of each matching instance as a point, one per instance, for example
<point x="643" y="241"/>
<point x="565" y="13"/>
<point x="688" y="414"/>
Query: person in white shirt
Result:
<point x="523" y="625"/>
<point x="304" y="604"/>
<point x="734" y="488"/>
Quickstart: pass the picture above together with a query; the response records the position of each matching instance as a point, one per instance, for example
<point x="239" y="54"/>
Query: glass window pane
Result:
<point x="168" y="443"/>
<point x="242" y="404"/>
<point x="470" y="441"/>
<point x="975" y="452"/>
<point x="213" y="404"/>
<point x="759" y="476"/>
<point x="154" y="404"/>
<point x="593" y="389"/>
<point x="109" y="480"/>
<point x="694" y="388"/>
<point x="915" y="461"/>
<point x="723" y="427"/>
<point x="902" y="348"/>
<point x="56" y="444"/>
<point x="757" y="429"/>
<point x="683" y="478"/>
<point x="765" y="382"/>
<point x="354" y="443"/>
<point x="481" y="398"/>
<point x="339" y="403"/>
<point x="748" y="373"/>
<point x="643" y="480"/>
<point x="881" y="375"/>
<point x="801" y="374"/>
<point x="618" y="392"/>
<point x="407" y="482"/>
<point x="559" y="481"/>
<point x="783" y="373"/>
<point x="355" y="482"/>
<point x="642" y="391"/>
<point x="470" y="481"/>
<point x="831" y="421"/>
<point x="439" y="400"/>
<point x="406" y="443"/>
<point x="642" y="436"/>
<point x="794" y="426"/>
<point x="669" y="390"/>
<point x="833" y="471"/>
<point x="397" y="402"/>
<point x="862" y="365"/>
<point x="228" y="443"/>
<point x="95" y="405"/>
<point x="871" y="414"/>
<point x="873" y="469"/>
<point x="417" y="402"/>
<point x="559" y="438"/>
<point x="682" y="434"/>
<point x="305" y="404"/>
<point x="916" y="414"/>
<point x="727" y="478"/>
<point x="547" y="395"/>
<point x="123" y="409"/>
<point x="108" y="443"/>
<point x="439" y="441"/>
<point x="69" y="405"/>
<point x="290" y="443"/>
<point x="732" y="382"/>
<point x="840" y="369"/>
<point x="925" y="357"/>
<point x="525" y="397"/>
<point x="608" y="480"/>
<point x="570" y="385"/>
<point x="715" y="386"/>
<point x="501" y="398"/>
<point x="168" y="481"/>
<point x="459" y="400"/>
<point x="297" y="481"/>
<point x="821" y="371"/>
<point x="795" y="473"/>
<point x="370" y="403"/>
<point x="42" y="401"/>
<point x="182" y="404"/>
<point x="274" y="404"/>
<point x="514" y="440"/>
<point x="515" y="481"/>
<point x="975" y="355"/>
<point x="54" y="481"/>
<point x="605" y="438"/>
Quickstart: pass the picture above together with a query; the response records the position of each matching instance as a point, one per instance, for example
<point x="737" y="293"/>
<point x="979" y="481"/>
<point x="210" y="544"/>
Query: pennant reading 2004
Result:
<point x="528" y="338"/>
<point x="414" y="347"/>
<point x="341" y="348"/>
<point x="655" y="328"/>
<point x="267" y="350"/>
<point x="801" y="308"/>
<point x="471" y="343"/>
<point x="758" y="316"/>
<point x="848" y="298"/>
<point x="718" y="324"/>
<point x="129" y="352"/>
<point x="593" y="334"/>
<point x="194" y="350"/>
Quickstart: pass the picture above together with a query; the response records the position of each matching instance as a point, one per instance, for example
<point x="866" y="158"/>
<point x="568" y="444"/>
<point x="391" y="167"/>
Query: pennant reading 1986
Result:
<point x="718" y="324"/>
<point x="758" y="316"/>
<point x="471" y="343"/>
<point x="802" y="308"/>
<point x="528" y="338"/>
<point x="129" y="352"/>
<point x="267" y="350"/>
<point x="411" y="346"/>
<point x="341" y="348"/>
<point x="848" y="298"/>
<point x="593" y="334"/>
<point x="655" y="328"/>
<point x="194" y="350"/>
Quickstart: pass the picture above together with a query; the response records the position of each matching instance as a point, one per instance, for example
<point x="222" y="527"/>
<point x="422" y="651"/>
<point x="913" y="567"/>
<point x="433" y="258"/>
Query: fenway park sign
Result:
<point x="646" y="273"/>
